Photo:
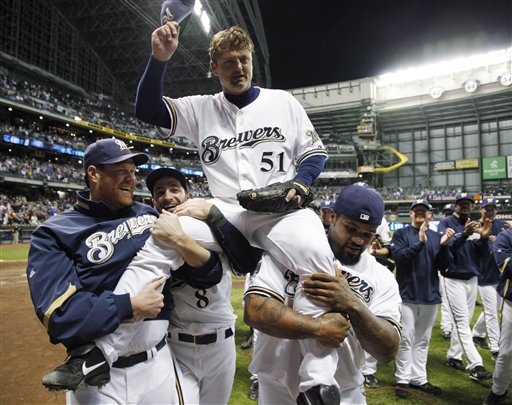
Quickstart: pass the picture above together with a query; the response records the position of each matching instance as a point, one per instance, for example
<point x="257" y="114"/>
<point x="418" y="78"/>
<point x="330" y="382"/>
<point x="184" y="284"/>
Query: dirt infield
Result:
<point x="26" y="353"/>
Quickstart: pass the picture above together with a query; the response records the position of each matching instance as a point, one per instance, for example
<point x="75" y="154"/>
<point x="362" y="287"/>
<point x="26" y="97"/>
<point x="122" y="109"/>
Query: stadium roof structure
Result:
<point x="113" y="36"/>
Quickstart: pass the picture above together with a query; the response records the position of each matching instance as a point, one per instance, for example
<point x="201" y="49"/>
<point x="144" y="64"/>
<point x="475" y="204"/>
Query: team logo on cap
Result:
<point x="364" y="217"/>
<point x="121" y="144"/>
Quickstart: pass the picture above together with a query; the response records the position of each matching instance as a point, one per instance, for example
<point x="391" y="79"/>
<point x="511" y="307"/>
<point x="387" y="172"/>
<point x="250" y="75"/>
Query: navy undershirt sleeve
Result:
<point x="310" y="169"/>
<point x="149" y="104"/>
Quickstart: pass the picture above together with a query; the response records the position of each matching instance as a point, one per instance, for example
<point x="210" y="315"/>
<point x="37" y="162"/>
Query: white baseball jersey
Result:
<point x="208" y="369"/>
<point x="370" y="281"/>
<point x="134" y="336"/>
<point x="252" y="147"/>
<point x="245" y="148"/>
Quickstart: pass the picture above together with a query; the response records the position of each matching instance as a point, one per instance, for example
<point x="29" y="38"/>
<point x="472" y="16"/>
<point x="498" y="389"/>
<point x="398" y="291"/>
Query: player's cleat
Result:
<point x="495" y="355"/>
<point x="247" y="343"/>
<point x="447" y="335"/>
<point x="370" y="381"/>
<point x="402" y="391"/>
<point x="85" y="365"/>
<point x="480" y="342"/>
<point x="176" y="10"/>
<point x="456" y="364"/>
<point x="253" y="391"/>
<point x="428" y="388"/>
<point x="479" y="373"/>
<point x="495" y="399"/>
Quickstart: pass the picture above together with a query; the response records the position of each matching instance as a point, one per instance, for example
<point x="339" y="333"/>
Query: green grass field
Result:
<point x="457" y="387"/>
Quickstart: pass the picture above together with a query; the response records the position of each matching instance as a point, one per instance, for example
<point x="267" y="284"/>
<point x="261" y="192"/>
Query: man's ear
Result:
<point x="93" y="173"/>
<point x="332" y="216"/>
<point x="213" y="68"/>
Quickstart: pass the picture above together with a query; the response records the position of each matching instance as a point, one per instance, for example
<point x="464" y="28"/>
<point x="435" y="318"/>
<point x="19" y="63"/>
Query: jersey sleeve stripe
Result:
<point x="265" y="292"/>
<point x="57" y="303"/>
<point x="172" y="115"/>
<point x="314" y="152"/>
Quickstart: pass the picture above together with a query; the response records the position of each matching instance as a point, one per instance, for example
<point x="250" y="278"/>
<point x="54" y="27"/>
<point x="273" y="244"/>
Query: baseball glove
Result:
<point x="271" y="199"/>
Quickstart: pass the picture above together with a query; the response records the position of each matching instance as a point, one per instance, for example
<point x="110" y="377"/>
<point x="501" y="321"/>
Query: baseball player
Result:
<point x="76" y="259"/>
<point x="250" y="137"/>
<point x="419" y="253"/>
<point x="502" y="376"/>
<point x="367" y="294"/>
<point x="325" y="211"/>
<point x="487" y="282"/>
<point x="201" y="328"/>
<point x="460" y="281"/>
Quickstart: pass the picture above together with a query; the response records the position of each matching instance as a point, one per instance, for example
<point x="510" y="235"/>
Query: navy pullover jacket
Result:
<point x="466" y="250"/>
<point x="417" y="265"/>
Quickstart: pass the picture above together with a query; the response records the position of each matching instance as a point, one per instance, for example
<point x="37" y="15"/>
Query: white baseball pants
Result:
<point x="411" y="360"/>
<point x="461" y="296"/>
<point x="487" y="321"/>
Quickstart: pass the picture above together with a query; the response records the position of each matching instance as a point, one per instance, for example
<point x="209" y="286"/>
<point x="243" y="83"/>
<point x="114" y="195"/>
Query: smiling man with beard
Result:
<point x="365" y="292"/>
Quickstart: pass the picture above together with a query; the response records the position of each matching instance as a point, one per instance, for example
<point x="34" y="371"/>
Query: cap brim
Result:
<point x="465" y="198"/>
<point x="165" y="172"/>
<point x="138" y="159"/>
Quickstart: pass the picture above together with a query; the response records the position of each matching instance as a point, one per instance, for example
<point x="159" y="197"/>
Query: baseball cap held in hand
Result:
<point x="176" y="10"/>
<point x="360" y="203"/>
<point x="109" y="151"/>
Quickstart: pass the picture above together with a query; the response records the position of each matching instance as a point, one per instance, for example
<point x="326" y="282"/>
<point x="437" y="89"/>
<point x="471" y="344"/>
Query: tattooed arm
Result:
<point x="378" y="336"/>
<point x="274" y="318"/>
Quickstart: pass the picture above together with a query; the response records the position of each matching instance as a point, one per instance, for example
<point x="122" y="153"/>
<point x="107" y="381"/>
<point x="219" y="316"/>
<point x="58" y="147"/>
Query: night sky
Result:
<point x="326" y="41"/>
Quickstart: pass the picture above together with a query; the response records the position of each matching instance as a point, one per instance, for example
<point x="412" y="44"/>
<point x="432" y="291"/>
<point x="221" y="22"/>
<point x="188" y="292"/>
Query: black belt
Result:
<point x="203" y="339"/>
<point x="129" y="361"/>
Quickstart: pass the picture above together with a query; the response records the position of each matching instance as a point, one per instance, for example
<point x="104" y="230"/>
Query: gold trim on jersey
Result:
<point x="309" y="153"/>
<point x="57" y="304"/>
<point x="265" y="292"/>
<point x="172" y="115"/>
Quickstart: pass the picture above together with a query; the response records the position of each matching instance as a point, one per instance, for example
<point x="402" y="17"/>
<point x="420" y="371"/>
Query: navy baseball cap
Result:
<point x="360" y="203"/>
<point x="165" y="172"/>
<point x="326" y="205"/>
<point x="489" y="201"/>
<point x="448" y="207"/>
<point x="176" y="10"/>
<point x="425" y="203"/>
<point x="110" y="151"/>
<point x="464" y="196"/>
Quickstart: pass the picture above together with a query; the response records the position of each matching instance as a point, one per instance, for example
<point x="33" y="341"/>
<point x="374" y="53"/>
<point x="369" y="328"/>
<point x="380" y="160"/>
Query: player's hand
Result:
<point x="485" y="230"/>
<point x="334" y="328"/>
<point x="167" y="229"/>
<point x="423" y="232"/>
<point x="164" y="41"/>
<point x="470" y="227"/>
<point x="291" y="194"/>
<point x="149" y="301"/>
<point x="195" y="207"/>
<point x="332" y="291"/>
<point x="449" y="233"/>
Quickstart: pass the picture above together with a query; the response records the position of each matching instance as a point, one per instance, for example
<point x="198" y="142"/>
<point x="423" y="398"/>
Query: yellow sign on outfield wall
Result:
<point x="467" y="164"/>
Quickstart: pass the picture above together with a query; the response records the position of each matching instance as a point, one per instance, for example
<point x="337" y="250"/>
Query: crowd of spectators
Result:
<point x="17" y="210"/>
<point x="94" y="109"/>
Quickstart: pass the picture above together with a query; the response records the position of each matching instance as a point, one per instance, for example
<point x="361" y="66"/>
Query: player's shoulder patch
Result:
<point x="313" y="135"/>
